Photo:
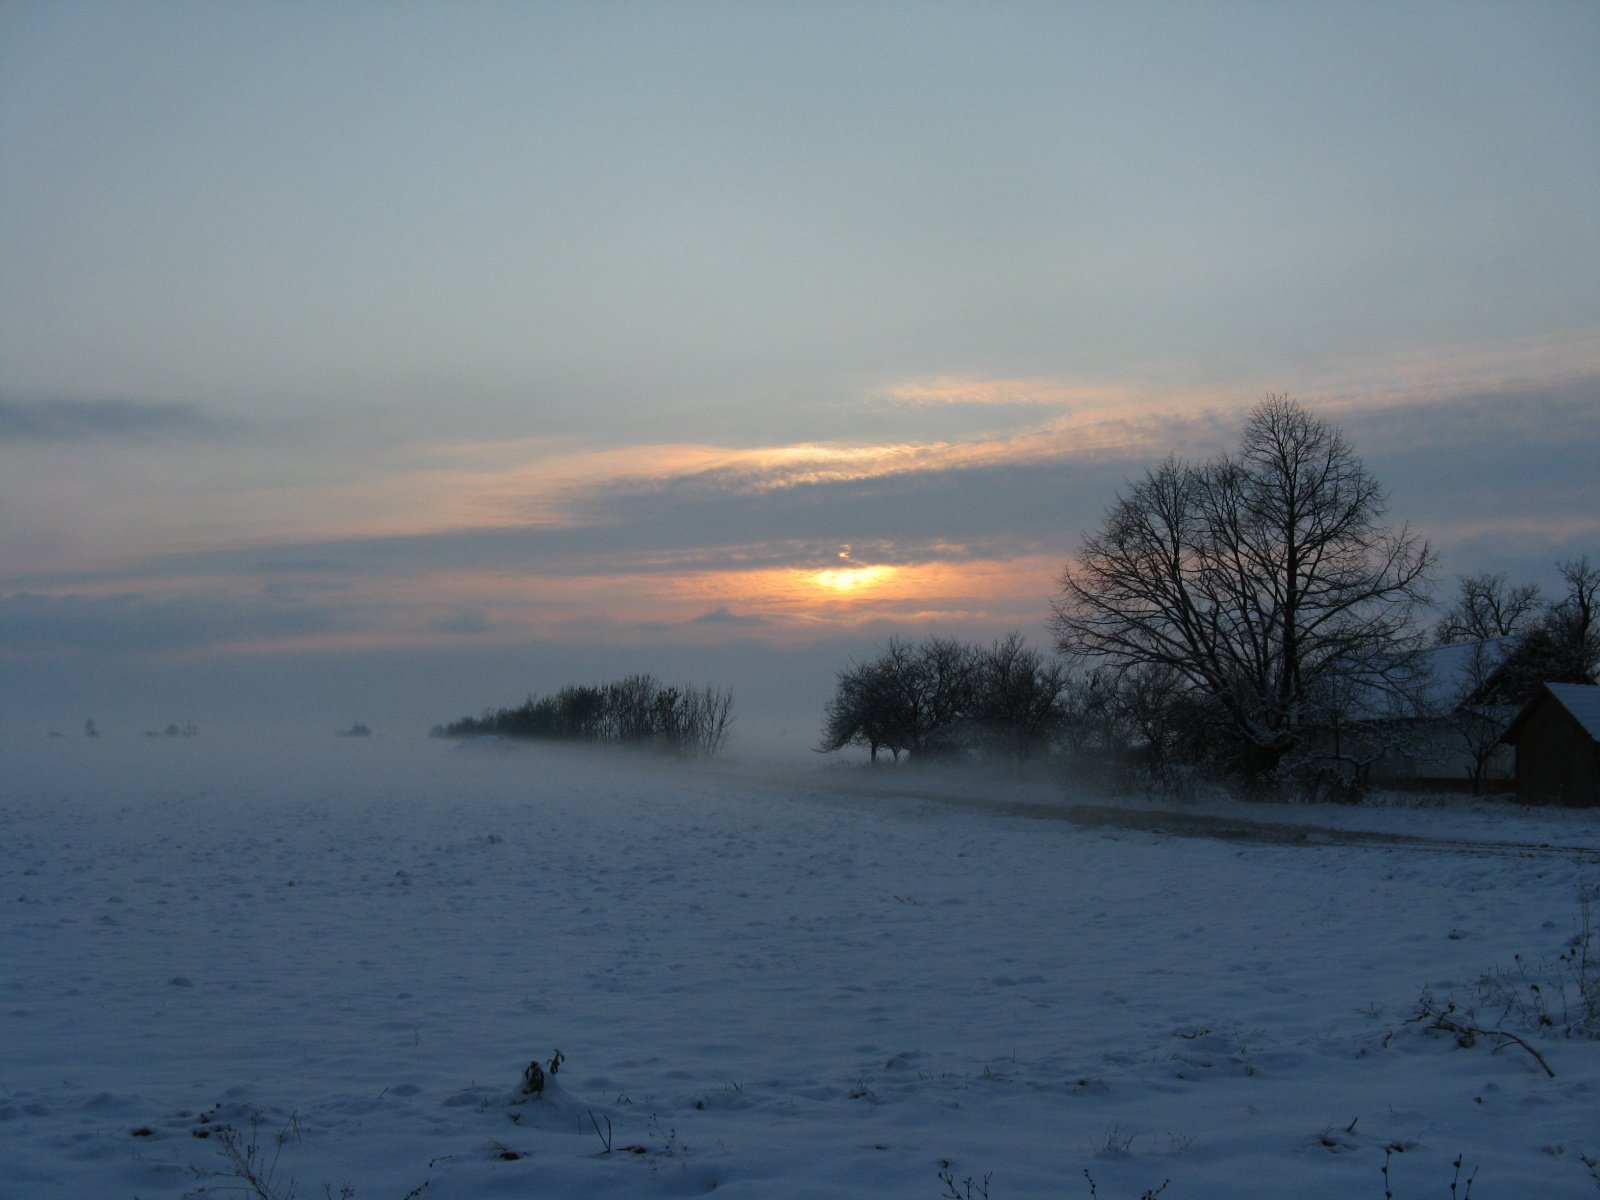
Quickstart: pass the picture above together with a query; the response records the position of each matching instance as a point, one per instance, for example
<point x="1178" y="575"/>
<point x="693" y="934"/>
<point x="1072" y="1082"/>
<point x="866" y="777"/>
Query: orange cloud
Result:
<point x="1043" y="391"/>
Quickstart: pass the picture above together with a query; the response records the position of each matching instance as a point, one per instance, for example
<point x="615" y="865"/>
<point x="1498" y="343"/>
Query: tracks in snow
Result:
<point x="1242" y="830"/>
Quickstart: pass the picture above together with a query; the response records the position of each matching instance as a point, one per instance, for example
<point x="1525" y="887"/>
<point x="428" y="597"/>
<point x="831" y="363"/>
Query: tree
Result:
<point x="1016" y="698"/>
<point x="939" y="698"/>
<point x="1487" y="621"/>
<point x="1510" y="643"/>
<point x="862" y="711"/>
<point x="910" y="699"/>
<point x="1257" y="580"/>
<point x="1487" y="606"/>
<point x="1562" y="647"/>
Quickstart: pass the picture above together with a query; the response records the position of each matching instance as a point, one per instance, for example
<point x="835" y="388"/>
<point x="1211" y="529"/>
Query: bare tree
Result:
<point x="1255" y="579"/>
<point x="1564" y="646"/>
<point x="912" y="698"/>
<point x="939" y="698"/>
<point x="1488" y="606"/>
<point x="1016" y="698"/>
<point x="1476" y="708"/>
<point x="865" y="708"/>
<point x="689" y="722"/>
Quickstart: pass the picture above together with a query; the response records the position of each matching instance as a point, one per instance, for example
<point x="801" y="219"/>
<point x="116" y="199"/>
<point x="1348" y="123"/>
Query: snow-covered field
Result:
<point x="771" y="989"/>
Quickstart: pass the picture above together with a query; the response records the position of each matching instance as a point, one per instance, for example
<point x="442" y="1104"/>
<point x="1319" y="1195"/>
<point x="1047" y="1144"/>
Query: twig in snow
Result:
<point x="256" y="1172"/>
<point x="1147" y="1194"/>
<point x="965" y="1192"/>
<point x="605" y="1138"/>
<point x="1456" y="1178"/>
<point x="1466" y="1035"/>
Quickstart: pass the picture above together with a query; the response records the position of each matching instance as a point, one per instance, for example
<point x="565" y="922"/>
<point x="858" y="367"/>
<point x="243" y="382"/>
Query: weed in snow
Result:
<point x="533" y="1075"/>
<point x="1594" y="1169"/>
<point x="969" y="1189"/>
<point x="1559" y="995"/>
<point x="1459" y="1189"/>
<point x="1115" y="1142"/>
<point x="1147" y="1194"/>
<point x="253" y="1169"/>
<point x="1446" y="1018"/>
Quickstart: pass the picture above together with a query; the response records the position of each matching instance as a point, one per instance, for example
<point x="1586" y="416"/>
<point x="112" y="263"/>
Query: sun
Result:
<point x="851" y="579"/>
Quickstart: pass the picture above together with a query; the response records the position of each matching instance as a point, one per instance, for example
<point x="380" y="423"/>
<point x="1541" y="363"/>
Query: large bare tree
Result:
<point x="1265" y="580"/>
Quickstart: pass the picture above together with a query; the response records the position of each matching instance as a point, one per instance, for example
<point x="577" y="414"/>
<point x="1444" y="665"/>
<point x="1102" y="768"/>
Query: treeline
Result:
<point x="940" y="699"/>
<point x="1251" y="619"/>
<point x="638" y="710"/>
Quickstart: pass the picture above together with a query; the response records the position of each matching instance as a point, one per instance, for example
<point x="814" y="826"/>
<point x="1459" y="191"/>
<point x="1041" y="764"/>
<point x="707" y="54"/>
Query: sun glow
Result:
<point x="852" y="579"/>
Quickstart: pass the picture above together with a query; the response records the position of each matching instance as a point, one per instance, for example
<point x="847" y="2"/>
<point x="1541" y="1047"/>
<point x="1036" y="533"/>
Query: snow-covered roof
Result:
<point x="1456" y="670"/>
<point x="1441" y="678"/>
<point x="1582" y="700"/>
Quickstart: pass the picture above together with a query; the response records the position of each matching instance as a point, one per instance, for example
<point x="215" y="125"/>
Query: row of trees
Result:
<point x="638" y="710"/>
<point x="1251" y="616"/>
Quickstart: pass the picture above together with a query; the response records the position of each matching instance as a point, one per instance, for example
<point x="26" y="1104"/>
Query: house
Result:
<point x="1557" y="740"/>
<point x="1425" y="721"/>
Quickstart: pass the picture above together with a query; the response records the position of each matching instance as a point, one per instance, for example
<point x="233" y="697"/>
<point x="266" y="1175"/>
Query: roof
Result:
<point x="1437" y="680"/>
<point x="1582" y="700"/>
<point x="1458" y="669"/>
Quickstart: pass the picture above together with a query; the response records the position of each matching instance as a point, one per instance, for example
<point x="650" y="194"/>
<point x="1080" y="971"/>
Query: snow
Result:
<point x="773" y="982"/>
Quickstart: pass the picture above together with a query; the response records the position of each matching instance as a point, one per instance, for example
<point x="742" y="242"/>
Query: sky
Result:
<point x="395" y="359"/>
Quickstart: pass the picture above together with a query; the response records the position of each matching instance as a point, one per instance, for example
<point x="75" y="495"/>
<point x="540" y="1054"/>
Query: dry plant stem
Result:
<point x="965" y="1192"/>
<point x="605" y="1138"/>
<point x="1442" y="1020"/>
<point x="259" y="1178"/>
<point x="1147" y="1194"/>
<point x="1594" y="1168"/>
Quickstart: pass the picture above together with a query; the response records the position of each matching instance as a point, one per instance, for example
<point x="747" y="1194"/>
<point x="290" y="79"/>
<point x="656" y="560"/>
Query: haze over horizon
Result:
<point x="388" y="361"/>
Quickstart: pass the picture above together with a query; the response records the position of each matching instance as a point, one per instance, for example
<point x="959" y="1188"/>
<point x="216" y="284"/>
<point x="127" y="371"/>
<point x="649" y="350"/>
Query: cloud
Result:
<point x="462" y="623"/>
<point x="725" y="616"/>
<point x="132" y="623"/>
<point x="1044" y="391"/>
<point x="708" y="543"/>
<point x="103" y="421"/>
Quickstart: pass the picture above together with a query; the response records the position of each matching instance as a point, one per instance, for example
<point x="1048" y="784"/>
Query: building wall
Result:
<point x="1438" y="755"/>
<point x="1557" y="761"/>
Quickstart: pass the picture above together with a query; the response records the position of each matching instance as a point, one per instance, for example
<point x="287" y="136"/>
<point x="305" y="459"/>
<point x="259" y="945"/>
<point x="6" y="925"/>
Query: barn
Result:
<point x="1557" y="740"/>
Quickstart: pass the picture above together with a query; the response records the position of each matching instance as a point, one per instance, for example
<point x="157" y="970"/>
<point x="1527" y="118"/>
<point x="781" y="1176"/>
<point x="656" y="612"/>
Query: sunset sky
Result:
<point x="386" y="360"/>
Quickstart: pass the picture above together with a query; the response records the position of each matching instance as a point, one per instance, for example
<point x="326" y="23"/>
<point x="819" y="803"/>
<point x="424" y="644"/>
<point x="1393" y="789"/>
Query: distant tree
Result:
<point x="911" y="699"/>
<point x="1476" y="709"/>
<point x="940" y="698"/>
<point x="1488" y="606"/>
<point x="1016" y="704"/>
<point x="1513" y="641"/>
<point x="1563" y="646"/>
<point x="864" y="710"/>
<point x="1254" y="581"/>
